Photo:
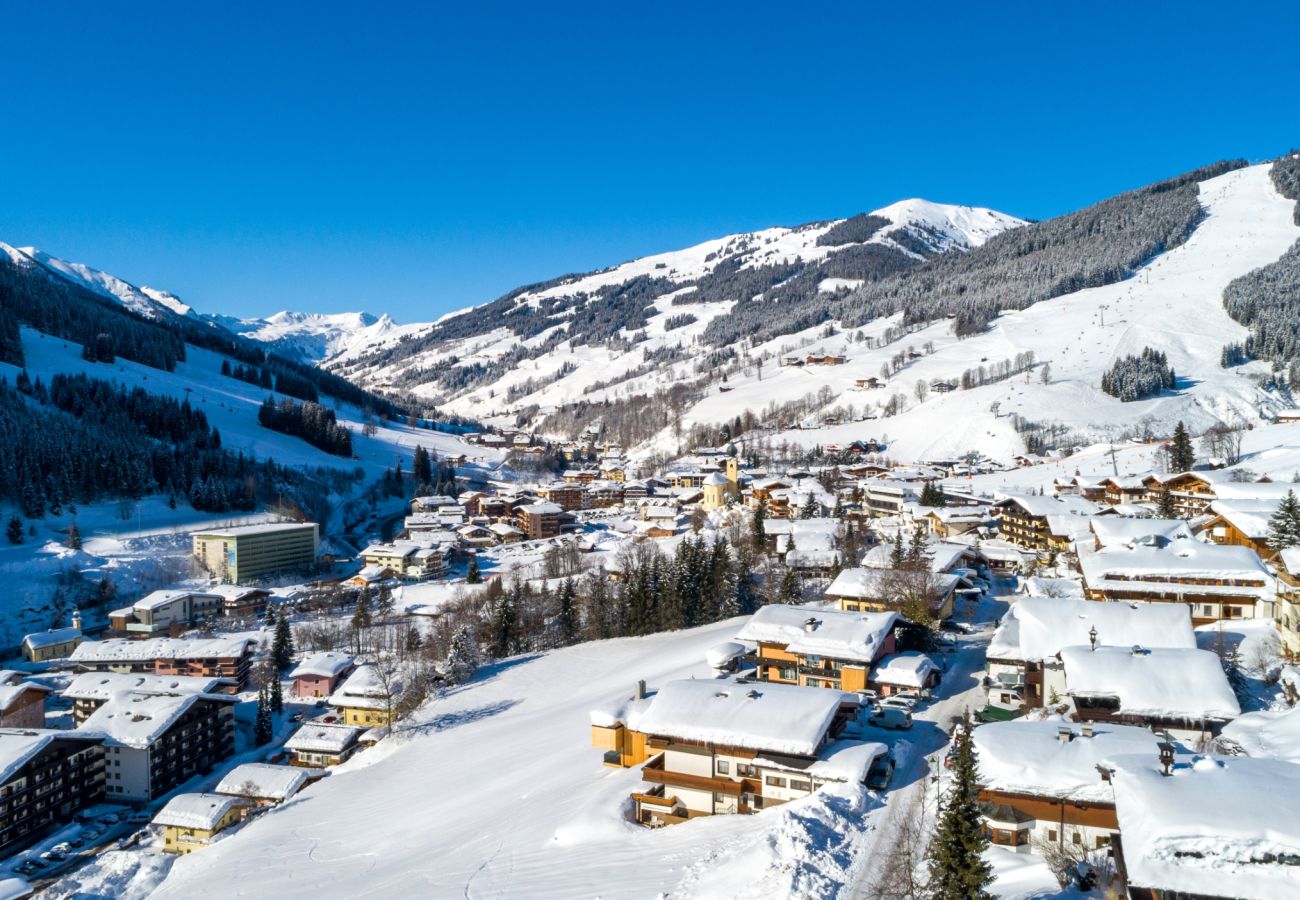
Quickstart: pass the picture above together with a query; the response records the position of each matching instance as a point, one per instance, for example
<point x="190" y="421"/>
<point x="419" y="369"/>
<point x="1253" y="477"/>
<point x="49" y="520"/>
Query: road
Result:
<point x="915" y="781"/>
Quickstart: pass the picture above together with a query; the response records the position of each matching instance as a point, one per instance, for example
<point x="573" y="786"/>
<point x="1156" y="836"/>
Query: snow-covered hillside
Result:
<point x="905" y="232"/>
<point x="146" y="301"/>
<point x="314" y="337"/>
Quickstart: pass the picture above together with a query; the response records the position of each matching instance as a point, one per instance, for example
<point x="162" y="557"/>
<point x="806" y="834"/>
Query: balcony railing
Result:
<point x="655" y="773"/>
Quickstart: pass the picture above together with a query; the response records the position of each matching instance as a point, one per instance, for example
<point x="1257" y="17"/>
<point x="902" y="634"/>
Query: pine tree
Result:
<point x="462" y="657"/>
<point x="422" y="468"/>
<point x="567" y="617"/>
<point x="473" y="576"/>
<point x="277" y="695"/>
<point x="14" y="530"/>
<point x="1284" y="525"/>
<point x="756" y="524"/>
<point x="282" y="648"/>
<point x="956" y="863"/>
<point x="74" y="537"/>
<point x="1181" y="455"/>
<point x="897" y="556"/>
<point x="791" y="591"/>
<point x="504" y="624"/>
<point x="809" y="509"/>
<point x="1165" y="508"/>
<point x="263" y="727"/>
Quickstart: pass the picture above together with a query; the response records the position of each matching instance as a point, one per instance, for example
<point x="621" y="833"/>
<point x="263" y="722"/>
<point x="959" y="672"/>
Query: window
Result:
<point x="744" y="770"/>
<point x="773" y="781"/>
<point x="796" y="785"/>
<point x="1051" y="834"/>
<point x="1076" y="838"/>
<point x="724" y="767"/>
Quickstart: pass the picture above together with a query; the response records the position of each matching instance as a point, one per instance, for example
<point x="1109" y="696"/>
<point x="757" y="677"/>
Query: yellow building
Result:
<point x="254" y="551"/>
<point x="367" y="698"/>
<point x="57" y="643"/>
<point x="190" y="821"/>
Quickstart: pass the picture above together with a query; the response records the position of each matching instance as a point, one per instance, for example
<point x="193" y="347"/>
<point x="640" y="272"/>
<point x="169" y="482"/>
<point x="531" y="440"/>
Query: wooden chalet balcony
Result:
<point x="654" y="772"/>
<point x="652" y="799"/>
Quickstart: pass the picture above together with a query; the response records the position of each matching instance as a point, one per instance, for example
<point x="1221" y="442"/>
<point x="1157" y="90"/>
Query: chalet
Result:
<point x="1217" y="582"/>
<point x="57" y="643"/>
<point x="824" y="359"/>
<point x="867" y="384"/>
<point x="237" y="600"/>
<point x="190" y="821"/>
<point x="505" y="533"/>
<point x="1241" y="523"/>
<point x="22" y="703"/>
<point x="155" y="741"/>
<point x="613" y="469"/>
<point x="1023" y="658"/>
<point x="539" y="520"/>
<point x="475" y="537"/>
<point x="811" y="647"/>
<point x="812" y="550"/>
<point x="367" y="698"/>
<point x="885" y="590"/>
<point x="1191" y="492"/>
<point x="323" y="744"/>
<point x="1003" y="557"/>
<point x="1088" y="488"/>
<point x="580" y="476"/>
<point x="604" y="494"/>
<point x="437" y="502"/>
<point x="46" y="778"/>
<point x="91" y="690"/>
<point x="262" y="784"/>
<point x="1179" y="690"/>
<point x="635" y="490"/>
<point x="1286" y="614"/>
<point x="1048" y="782"/>
<point x="208" y="657"/>
<point x="713" y="747"/>
<point x="319" y="674"/>
<point x="1212" y="827"/>
<point x="408" y="559"/>
<point x="1287" y="416"/>
<point x="1043" y="524"/>
<point x="943" y="387"/>
<point x="469" y="501"/>
<point x="953" y="521"/>
<point x="1123" y="489"/>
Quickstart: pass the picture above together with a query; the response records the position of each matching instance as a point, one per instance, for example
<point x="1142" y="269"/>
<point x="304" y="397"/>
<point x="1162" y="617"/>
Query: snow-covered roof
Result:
<point x="365" y="689"/>
<point x="262" y="781"/>
<point x="871" y="584"/>
<point x="1114" y="531"/>
<point x="159" y="599"/>
<point x="249" y="530"/>
<point x="1142" y="568"/>
<point x="843" y="760"/>
<point x="201" y="811"/>
<point x="1250" y="517"/>
<point x="777" y="718"/>
<point x="103" y="685"/>
<point x="136" y="719"/>
<point x="856" y="636"/>
<point x="323" y="737"/>
<point x="1029" y="757"/>
<point x="1175" y="683"/>
<point x="1274" y="733"/>
<point x="18" y="745"/>
<point x="1213" y="828"/>
<point x="1037" y="628"/>
<point x="540" y="509"/>
<point x="126" y="650"/>
<point x="42" y="639"/>
<point x="909" y="668"/>
<point x="325" y="664"/>
<point x="1042" y="505"/>
<point x="814" y="534"/>
<point x="720" y="655"/>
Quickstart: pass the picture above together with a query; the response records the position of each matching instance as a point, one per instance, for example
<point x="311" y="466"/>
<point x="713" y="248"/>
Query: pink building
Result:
<point x="319" y="674"/>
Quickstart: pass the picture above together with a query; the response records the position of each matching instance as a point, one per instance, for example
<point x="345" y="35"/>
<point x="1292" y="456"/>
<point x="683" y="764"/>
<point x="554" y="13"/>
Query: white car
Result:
<point x="894" y="701"/>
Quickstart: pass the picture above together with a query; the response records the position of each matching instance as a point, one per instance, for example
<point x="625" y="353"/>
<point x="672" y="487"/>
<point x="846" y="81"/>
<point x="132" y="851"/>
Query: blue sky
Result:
<point x="416" y="159"/>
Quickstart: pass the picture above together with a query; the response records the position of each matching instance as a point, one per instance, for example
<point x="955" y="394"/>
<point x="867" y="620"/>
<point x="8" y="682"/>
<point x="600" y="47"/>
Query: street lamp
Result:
<point x="1092" y="637"/>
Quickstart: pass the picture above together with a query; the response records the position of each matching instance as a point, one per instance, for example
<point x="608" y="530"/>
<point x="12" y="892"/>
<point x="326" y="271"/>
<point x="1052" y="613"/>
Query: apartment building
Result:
<point x="190" y="821"/>
<point x="810" y="647"/>
<point x="256" y="551"/>
<point x="46" y="778"/>
<point x="91" y="690"/>
<point x="204" y="657"/>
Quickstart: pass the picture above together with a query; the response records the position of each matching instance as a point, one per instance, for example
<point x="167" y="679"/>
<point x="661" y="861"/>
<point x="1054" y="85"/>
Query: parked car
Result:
<point x="914" y="696"/>
<point x="891" y="717"/>
<point x="895" y="702"/>
<point x="882" y="772"/>
<point x="868" y="696"/>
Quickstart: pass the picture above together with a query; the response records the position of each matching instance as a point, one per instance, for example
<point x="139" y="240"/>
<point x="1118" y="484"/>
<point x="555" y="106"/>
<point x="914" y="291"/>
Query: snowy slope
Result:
<point x="146" y="301"/>
<point x="1174" y="304"/>
<point x="314" y="337"/>
<point x="932" y="227"/>
<point x="497" y="793"/>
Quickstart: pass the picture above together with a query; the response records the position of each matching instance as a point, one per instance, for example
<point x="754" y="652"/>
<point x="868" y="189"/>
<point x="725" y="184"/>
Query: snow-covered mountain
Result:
<point x="146" y="301"/>
<point x="314" y="337"/>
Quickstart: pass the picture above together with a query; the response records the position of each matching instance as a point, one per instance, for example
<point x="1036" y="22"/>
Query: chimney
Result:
<point x="638" y="692"/>
<point x="1085" y="730"/>
<point x="1065" y="734"/>
<point x="810" y="624"/>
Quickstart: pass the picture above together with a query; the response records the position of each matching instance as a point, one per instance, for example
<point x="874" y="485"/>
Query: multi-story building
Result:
<point x="205" y="657"/>
<point x="322" y="744"/>
<point x="367" y="698"/>
<point x="46" y="778"/>
<point x="567" y="496"/>
<point x="155" y="741"/>
<point x="886" y="590"/>
<point x="91" y="690"/>
<point x="1286" y="612"/>
<point x="810" y="647"/>
<point x="190" y="821"/>
<point x="319" y="674"/>
<point x="408" y="559"/>
<point x="539" y="520"/>
<point x="262" y="784"/>
<point x="1048" y="783"/>
<point x="158" y="613"/>
<point x="256" y="551"/>
<point x="1216" y="582"/>
<point x="1042" y="523"/>
<point x="715" y="747"/>
<point x="22" y="703"/>
<point x="1023" y="658"/>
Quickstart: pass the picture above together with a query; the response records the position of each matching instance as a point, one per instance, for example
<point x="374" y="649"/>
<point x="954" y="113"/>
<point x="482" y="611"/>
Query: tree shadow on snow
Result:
<point x="450" y="720"/>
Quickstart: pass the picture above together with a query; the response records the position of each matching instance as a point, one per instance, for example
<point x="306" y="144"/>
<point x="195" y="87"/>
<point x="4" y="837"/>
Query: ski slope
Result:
<point x="495" y="791"/>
